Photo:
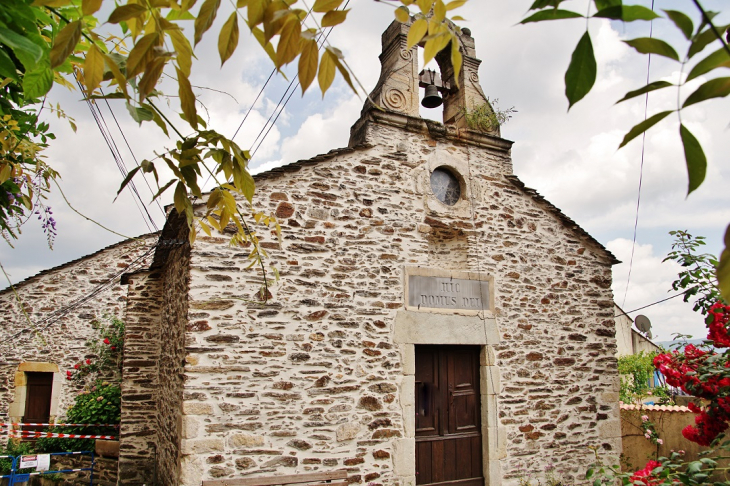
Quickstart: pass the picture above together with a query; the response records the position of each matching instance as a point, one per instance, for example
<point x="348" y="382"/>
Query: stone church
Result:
<point x="435" y="320"/>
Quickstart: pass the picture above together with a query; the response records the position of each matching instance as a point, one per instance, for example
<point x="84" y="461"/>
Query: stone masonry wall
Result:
<point x="58" y="333"/>
<point x="172" y="357"/>
<point x="312" y="380"/>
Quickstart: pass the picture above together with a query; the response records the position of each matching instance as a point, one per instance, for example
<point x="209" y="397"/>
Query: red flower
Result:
<point x="68" y="374"/>
<point x="76" y="366"/>
<point x="114" y="348"/>
<point x="88" y="361"/>
<point x="106" y="341"/>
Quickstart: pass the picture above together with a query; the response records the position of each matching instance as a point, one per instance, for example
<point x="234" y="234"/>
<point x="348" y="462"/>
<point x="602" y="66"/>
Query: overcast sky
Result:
<point x="570" y="158"/>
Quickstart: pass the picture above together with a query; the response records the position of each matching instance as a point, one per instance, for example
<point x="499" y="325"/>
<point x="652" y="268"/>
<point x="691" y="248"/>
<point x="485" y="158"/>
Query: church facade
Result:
<point x="435" y="321"/>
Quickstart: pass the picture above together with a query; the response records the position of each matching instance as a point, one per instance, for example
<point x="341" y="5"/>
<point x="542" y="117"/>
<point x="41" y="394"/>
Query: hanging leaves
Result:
<point x="308" y="61"/>
<point x="187" y="99"/>
<point x="326" y="71"/>
<point x="205" y="18"/>
<point x="644" y="126"/>
<point x="228" y="38"/>
<point x="65" y="43"/>
<point x="723" y="268"/>
<point x="695" y="158"/>
<point x="581" y="73"/>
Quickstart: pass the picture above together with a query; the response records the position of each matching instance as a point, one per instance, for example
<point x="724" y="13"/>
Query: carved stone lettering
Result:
<point x="447" y="293"/>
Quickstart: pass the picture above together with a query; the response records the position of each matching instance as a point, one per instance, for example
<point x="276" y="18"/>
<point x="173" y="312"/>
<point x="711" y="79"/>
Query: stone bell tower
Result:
<point x="397" y="88"/>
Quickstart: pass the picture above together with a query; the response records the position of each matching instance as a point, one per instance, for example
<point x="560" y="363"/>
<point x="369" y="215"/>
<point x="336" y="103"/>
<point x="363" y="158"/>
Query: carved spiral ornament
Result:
<point x="474" y="77"/>
<point x="406" y="54"/>
<point x="394" y="99"/>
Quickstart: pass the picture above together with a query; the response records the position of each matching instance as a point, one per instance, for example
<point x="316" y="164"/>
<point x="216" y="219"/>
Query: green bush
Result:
<point x="14" y="448"/>
<point x="100" y="405"/>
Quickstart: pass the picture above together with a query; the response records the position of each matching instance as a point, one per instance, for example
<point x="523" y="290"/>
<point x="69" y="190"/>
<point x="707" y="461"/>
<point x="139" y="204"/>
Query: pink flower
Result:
<point x="659" y="441"/>
<point x="644" y="418"/>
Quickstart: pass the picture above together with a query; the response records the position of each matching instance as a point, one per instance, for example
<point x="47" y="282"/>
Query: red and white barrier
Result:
<point x="25" y="434"/>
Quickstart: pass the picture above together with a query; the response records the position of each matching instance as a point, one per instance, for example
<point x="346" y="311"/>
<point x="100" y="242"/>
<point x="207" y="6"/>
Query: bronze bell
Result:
<point x="432" y="98"/>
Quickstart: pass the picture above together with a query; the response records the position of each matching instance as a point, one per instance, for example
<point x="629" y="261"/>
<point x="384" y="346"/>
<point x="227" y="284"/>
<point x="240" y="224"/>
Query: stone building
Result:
<point x="435" y="320"/>
<point x="47" y="337"/>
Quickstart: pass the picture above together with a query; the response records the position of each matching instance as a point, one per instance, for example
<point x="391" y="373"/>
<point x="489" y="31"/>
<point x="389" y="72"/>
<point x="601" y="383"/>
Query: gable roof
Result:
<point x="567" y="222"/>
<point x="70" y="263"/>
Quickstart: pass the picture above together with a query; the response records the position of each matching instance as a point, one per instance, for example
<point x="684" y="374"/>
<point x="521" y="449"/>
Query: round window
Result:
<point x="445" y="186"/>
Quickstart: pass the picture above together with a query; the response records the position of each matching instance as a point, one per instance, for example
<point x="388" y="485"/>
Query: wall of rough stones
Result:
<point x="61" y="303"/>
<point x="313" y="380"/>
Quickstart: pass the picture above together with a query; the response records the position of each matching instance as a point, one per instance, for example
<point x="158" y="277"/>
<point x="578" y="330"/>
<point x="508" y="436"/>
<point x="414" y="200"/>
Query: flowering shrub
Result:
<point x="108" y="350"/>
<point x="704" y="373"/>
<point x="649" y="429"/>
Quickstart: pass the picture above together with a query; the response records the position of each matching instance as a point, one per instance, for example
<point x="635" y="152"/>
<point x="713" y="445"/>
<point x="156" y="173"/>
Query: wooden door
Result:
<point x="448" y="417"/>
<point x="37" y="399"/>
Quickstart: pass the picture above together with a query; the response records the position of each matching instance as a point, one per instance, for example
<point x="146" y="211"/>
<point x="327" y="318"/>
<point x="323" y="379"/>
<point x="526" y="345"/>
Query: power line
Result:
<point x="61" y="312"/>
<point x="654" y="303"/>
<point x="641" y="166"/>
<point x="96" y="114"/>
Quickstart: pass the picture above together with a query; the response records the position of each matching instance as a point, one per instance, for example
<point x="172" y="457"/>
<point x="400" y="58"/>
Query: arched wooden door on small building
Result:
<point x="448" y="416"/>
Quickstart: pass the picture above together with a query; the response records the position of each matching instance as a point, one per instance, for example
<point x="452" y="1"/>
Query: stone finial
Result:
<point x="397" y="88"/>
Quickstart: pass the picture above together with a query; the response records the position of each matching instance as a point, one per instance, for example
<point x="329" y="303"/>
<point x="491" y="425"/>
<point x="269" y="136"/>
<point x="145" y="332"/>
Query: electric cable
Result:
<point x="124" y="137"/>
<point x="95" y="113"/>
<point x="62" y="311"/>
<point x="641" y="166"/>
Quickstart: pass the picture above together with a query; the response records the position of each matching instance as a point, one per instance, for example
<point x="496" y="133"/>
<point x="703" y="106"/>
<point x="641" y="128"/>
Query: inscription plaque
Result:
<point x="447" y="293"/>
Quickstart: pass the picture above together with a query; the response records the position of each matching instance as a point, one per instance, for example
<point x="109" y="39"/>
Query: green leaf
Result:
<point x="141" y="54"/>
<point x="402" y="14"/>
<point x="126" y="12"/>
<point x="416" y="32"/>
<point x="719" y="58"/>
<point x="140" y="114"/>
<point x="701" y="40"/>
<point x="649" y="45"/>
<point x="714" y="88"/>
<point x="65" y="43"/>
<point x="38" y="82"/>
<point x="551" y="14"/>
<point x="181" y="198"/>
<point x="228" y="38"/>
<point x="7" y="67"/>
<point x="183" y="50"/>
<point x="723" y="268"/>
<point x="627" y="13"/>
<point x="581" y="73"/>
<point x="327" y="67"/>
<point x="682" y="21"/>
<point x="288" y="47"/>
<point x="322" y="6"/>
<point x="308" y="62"/>
<point x="646" y="89"/>
<point x="126" y="180"/>
<point x="205" y="18"/>
<point x="335" y="17"/>
<point x="695" y="157"/>
<point x="601" y="4"/>
<point x="27" y="52"/>
<point x="644" y="126"/>
<point x="187" y="99"/>
<point x="89" y="7"/>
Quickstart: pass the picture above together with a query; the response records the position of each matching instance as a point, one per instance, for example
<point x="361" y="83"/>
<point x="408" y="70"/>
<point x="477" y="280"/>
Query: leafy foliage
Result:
<point x="698" y="277"/>
<point x="581" y="74"/>
<point x="14" y="448"/>
<point x="487" y="117"/>
<point x="636" y="370"/>
<point x="54" y="40"/>
<point x="101" y="404"/>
